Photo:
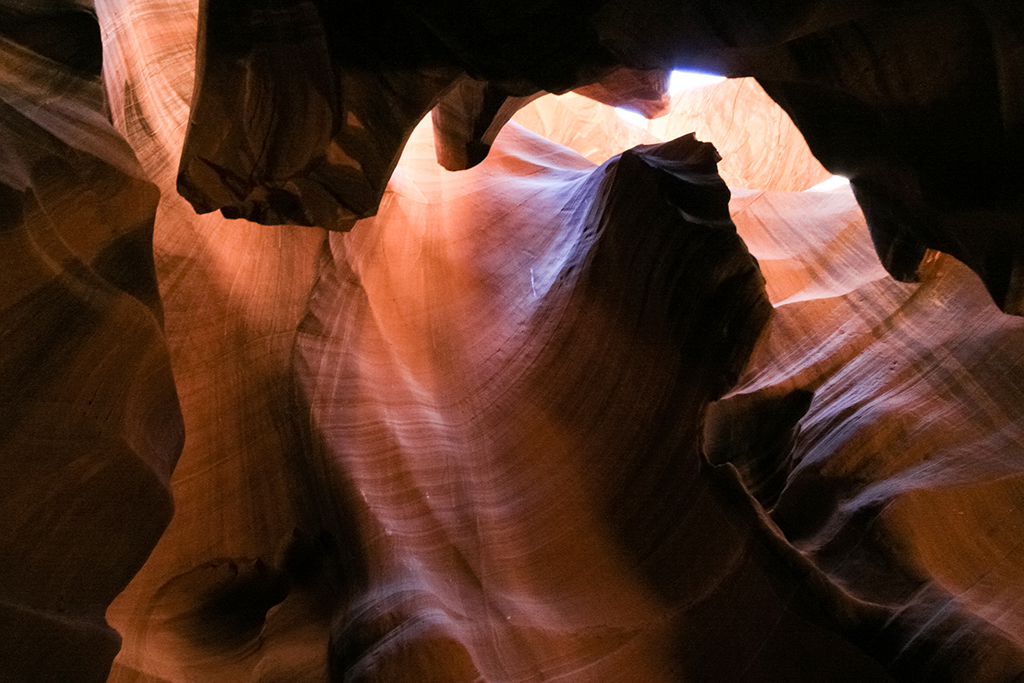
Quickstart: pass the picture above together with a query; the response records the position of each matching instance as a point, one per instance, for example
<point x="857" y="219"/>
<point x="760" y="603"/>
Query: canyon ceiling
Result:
<point x="333" y="348"/>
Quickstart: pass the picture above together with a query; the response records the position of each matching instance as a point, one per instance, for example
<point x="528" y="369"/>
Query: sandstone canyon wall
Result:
<point x="447" y="398"/>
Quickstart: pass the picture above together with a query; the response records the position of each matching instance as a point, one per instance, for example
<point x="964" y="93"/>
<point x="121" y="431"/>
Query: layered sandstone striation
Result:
<point x="438" y="397"/>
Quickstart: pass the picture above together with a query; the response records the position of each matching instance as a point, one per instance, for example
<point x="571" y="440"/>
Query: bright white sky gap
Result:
<point x="689" y="80"/>
<point x="678" y="82"/>
<point x="833" y="183"/>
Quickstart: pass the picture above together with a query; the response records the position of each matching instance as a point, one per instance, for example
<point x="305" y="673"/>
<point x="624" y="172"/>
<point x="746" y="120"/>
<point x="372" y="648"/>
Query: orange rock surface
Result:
<point x="610" y="405"/>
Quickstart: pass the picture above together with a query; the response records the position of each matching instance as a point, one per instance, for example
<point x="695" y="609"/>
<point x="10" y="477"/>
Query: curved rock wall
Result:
<point x="555" y="417"/>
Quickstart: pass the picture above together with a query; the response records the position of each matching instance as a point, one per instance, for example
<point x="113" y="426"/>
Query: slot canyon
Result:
<point x="463" y="341"/>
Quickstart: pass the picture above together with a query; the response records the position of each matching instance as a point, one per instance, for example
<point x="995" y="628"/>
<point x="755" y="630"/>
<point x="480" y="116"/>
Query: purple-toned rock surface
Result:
<point x="563" y="416"/>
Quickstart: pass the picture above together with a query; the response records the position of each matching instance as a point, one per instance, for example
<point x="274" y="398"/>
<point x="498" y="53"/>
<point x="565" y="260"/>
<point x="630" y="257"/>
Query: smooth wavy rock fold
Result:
<point x="760" y="147"/>
<point x="921" y="107"/>
<point x="470" y="115"/>
<point x="528" y="449"/>
<point x="301" y="110"/>
<point x="232" y="293"/>
<point x="465" y="368"/>
<point x="477" y="437"/>
<point x="292" y="124"/>
<point x="90" y="428"/>
<point x="891" y="461"/>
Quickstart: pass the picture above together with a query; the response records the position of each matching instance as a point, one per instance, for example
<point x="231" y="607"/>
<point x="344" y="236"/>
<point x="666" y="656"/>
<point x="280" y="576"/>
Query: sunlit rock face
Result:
<point x="292" y="122"/>
<point x="875" y="97"/>
<point x="566" y="415"/>
<point x="495" y="331"/>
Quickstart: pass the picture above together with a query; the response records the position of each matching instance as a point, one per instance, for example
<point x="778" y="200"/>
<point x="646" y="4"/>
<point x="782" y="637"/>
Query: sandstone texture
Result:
<point x="372" y="344"/>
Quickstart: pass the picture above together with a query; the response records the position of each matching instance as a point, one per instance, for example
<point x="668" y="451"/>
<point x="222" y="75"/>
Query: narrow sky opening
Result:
<point x="833" y="183"/>
<point x="681" y="80"/>
<point x="633" y="117"/>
